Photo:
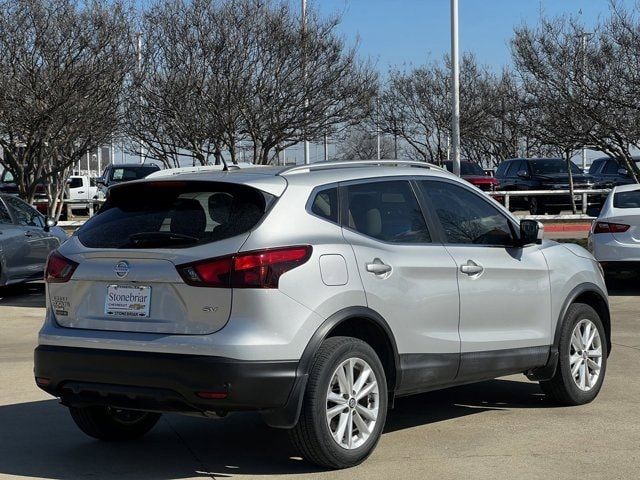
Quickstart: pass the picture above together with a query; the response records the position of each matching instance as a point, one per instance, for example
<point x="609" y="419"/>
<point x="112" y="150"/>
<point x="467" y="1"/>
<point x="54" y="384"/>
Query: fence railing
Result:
<point x="583" y="193"/>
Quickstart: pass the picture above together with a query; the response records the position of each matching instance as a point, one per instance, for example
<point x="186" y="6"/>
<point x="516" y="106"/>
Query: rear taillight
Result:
<point x="256" y="269"/>
<point x="607" y="227"/>
<point x="59" y="269"/>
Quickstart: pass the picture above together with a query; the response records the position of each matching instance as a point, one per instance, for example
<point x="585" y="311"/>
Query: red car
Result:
<point x="473" y="173"/>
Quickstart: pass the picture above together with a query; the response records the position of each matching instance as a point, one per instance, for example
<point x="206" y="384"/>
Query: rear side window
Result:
<point x="627" y="199"/>
<point x="174" y="214"/>
<point x="387" y="211"/>
<point x="325" y="204"/>
<point x="467" y="218"/>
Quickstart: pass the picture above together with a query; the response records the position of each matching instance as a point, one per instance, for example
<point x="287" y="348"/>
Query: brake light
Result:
<point x="59" y="269"/>
<point x="607" y="227"/>
<point x="256" y="269"/>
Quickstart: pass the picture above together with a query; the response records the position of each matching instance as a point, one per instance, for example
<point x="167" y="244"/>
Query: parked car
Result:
<point x="26" y="238"/>
<point x="315" y="295"/>
<point x="8" y="185"/>
<point x="611" y="171"/>
<point x="124" y="172"/>
<point x="614" y="238"/>
<point x="545" y="174"/>
<point x="475" y="175"/>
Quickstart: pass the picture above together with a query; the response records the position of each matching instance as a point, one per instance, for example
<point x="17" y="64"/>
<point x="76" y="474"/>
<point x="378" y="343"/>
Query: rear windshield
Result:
<point x="174" y="214"/>
<point x="124" y="174"/>
<point x="627" y="199"/>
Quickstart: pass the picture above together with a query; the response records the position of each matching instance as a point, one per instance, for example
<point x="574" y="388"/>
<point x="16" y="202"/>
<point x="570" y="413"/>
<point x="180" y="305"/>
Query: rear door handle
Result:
<point x="471" y="268"/>
<point x="28" y="234"/>
<point x="378" y="267"/>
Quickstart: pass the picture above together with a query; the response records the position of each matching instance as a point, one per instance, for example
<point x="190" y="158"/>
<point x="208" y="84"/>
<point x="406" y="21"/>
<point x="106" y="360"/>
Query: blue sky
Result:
<point x="403" y="32"/>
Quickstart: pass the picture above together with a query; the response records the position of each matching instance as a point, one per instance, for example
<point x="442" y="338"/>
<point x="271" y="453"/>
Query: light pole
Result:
<point x="139" y="59"/>
<point x="455" y="90"/>
<point x="304" y="71"/>
<point x="583" y="38"/>
<point x="377" y="128"/>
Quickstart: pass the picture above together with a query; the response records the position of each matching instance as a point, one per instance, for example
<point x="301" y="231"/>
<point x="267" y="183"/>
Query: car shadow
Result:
<point x="39" y="439"/>
<point x="23" y="295"/>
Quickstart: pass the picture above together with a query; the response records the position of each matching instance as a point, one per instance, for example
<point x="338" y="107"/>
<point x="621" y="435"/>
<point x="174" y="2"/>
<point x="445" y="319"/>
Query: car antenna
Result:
<point x="225" y="167"/>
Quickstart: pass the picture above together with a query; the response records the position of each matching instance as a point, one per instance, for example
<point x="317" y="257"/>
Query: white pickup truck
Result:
<point x="82" y="188"/>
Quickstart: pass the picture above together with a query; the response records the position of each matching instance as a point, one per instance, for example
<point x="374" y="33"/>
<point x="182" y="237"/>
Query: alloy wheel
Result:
<point x="352" y="403"/>
<point x="585" y="355"/>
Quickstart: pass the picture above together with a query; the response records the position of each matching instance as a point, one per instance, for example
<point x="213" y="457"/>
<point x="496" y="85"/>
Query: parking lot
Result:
<point x="498" y="429"/>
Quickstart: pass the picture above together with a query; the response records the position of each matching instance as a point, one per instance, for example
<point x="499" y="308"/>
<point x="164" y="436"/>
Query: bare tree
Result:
<point x="416" y="107"/>
<point x="219" y="75"/>
<point x="360" y="143"/>
<point x="577" y="92"/>
<point x="62" y="70"/>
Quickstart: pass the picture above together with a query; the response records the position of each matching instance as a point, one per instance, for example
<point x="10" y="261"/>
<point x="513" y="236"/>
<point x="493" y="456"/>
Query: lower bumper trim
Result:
<point x="161" y="382"/>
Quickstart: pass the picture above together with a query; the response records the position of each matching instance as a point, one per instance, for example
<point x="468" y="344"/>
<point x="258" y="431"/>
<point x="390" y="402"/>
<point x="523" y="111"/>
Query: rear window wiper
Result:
<point x="159" y="239"/>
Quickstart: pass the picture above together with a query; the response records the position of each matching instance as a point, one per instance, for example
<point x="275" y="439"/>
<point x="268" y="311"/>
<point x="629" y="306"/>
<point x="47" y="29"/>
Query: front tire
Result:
<point x="345" y="405"/>
<point x="536" y="207"/>
<point x="112" y="424"/>
<point x="582" y="361"/>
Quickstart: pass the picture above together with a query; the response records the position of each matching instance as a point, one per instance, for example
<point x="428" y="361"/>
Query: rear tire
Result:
<point x="582" y="361"/>
<point x="111" y="424"/>
<point x="335" y="437"/>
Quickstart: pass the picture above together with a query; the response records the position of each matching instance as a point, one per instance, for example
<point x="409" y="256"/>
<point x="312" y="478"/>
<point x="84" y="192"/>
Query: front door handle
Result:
<point x="471" y="268"/>
<point x="28" y="234"/>
<point x="378" y="267"/>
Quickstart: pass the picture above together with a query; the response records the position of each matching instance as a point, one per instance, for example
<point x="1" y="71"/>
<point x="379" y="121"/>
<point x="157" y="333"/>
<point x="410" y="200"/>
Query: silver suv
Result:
<point x="314" y="294"/>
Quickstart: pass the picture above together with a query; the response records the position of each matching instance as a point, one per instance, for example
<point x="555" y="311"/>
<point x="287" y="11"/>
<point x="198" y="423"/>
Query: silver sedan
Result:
<point x="26" y="238"/>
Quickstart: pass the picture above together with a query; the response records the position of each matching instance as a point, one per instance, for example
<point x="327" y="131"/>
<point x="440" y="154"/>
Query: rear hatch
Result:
<point x="126" y="277"/>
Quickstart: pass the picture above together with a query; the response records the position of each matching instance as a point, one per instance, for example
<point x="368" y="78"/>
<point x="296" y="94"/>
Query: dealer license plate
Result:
<point x="127" y="301"/>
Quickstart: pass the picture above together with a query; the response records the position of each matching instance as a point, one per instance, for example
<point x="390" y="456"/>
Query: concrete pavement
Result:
<point x="503" y="429"/>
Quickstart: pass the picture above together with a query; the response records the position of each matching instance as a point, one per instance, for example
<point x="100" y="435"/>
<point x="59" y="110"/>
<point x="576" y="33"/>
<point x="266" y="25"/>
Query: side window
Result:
<point x="514" y="168"/>
<point x="611" y="168"/>
<point x="502" y="169"/>
<point x="23" y="213"/>
<point x="5" y="218"/>
<point x="387" y="211"/>
<point x="595" y="167"/>
<point x="7" y="177"/>
<point x="75" y="182"/>
<point x="466" y="217"/>
<point x="325" y="204"/>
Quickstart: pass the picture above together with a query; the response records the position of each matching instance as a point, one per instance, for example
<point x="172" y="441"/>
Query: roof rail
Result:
<point x="354" y="164"/>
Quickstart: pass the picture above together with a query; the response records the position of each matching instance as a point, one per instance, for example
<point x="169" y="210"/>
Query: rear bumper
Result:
<point x="162" y="382"/>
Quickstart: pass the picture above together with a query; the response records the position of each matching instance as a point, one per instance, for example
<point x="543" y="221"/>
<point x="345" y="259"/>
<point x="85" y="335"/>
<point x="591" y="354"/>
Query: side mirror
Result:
<point x="523" y="174"/>
<point x="531" y="231"/>
<point x="48" y="223"/>
<point x="100" y="181"/>
<point x="623" y="172"/>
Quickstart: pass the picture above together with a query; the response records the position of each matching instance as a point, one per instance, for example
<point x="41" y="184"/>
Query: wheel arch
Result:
<point x="358" y="322"/>
<point x="589" y="294"/>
